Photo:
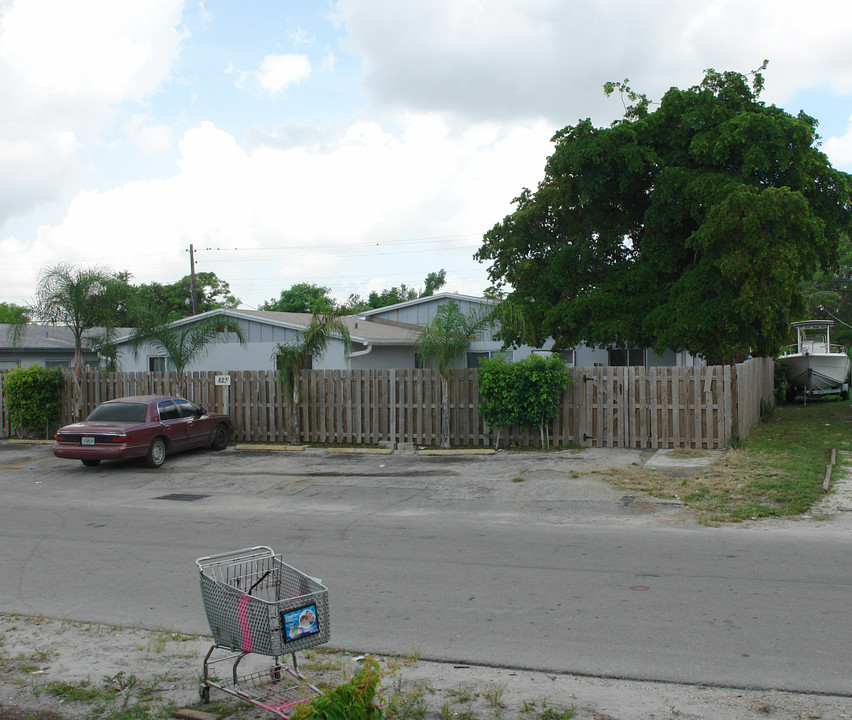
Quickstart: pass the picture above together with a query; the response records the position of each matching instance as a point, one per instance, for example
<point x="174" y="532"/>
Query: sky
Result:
<point x="354" y="144"/>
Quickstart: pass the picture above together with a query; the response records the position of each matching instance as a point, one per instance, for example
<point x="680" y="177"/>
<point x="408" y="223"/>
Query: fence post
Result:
<point x="392" y="413"/>
<point x="735" y="402"/>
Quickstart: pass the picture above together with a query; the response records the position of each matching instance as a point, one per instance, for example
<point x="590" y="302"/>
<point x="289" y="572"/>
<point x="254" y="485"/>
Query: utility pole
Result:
<point x="192" y="279"/>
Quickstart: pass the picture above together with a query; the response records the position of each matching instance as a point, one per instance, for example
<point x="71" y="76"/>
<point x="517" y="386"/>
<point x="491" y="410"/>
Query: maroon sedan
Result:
<point x="146" y="426"/>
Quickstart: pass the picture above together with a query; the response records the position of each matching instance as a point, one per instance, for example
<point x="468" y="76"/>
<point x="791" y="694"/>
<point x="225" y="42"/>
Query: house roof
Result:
<point x="362" y="331"/>
<point x="39" y="338"/>
<point x="427" y="299"/>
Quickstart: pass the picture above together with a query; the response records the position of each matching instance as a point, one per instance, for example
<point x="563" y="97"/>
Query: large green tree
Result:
<point x="303" y="298"/>
<point x="689" y="226"/>
<point x="174" y="300"/>
<point x="12" y="314"/>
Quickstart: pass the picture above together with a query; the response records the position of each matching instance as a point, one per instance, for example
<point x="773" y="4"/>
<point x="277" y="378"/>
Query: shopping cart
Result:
<point x="257" y="604"/>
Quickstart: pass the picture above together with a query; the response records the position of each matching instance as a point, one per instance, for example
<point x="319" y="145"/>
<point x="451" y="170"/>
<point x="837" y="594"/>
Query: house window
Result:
<point x="51" y="364"/>
<point x="473" y="358"/>
<point x="620" y="357"/>
<point x="156" y="363"/>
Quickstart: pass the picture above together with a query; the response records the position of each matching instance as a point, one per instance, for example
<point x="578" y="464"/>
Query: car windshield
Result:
<point x="119" y="412"/>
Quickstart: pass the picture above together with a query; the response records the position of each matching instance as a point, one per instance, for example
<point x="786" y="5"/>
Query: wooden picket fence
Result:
<point x="658" y="407"/>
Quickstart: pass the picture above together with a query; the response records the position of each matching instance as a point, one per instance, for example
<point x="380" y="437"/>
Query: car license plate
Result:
<point x="88" y="440"/>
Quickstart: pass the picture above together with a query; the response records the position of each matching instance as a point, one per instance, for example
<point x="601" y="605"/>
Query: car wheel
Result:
<point x="156" y="453"/>
<point x="221" y="437"/>
<point x="90" y="463"/>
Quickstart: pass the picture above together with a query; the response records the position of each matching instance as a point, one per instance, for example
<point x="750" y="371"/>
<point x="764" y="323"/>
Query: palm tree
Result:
<point x="444" y="341"/>
<point x="310" y="343"/>
<point x="181" y="344"/>
<point x="448" y="337"/>
<point x="81" y="299"/>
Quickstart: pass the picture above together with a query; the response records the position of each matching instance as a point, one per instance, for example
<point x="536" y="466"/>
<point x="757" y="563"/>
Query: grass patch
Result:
<point x="777" y="471"/>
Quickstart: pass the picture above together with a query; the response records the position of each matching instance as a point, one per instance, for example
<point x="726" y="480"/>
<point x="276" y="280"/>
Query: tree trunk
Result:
<point x="445" y="413"/>
<point x="78" y="379"/>
<point x="293" y="432"/>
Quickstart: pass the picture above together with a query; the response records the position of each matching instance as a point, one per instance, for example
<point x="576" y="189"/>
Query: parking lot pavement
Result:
<point x="558" y="485"/>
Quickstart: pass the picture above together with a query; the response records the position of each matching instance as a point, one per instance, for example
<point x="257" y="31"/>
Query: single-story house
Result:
<point x="421" y="311"/>
<point x="50" y="346"/>
<point x="374" y="344"/>
<point x="381" y="338"/>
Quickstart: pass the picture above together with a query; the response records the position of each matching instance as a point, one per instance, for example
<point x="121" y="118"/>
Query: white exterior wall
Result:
<point x="383" y="357"/>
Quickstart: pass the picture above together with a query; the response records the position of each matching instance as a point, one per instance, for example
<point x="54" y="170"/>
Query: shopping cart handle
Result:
<point x="260" y="550"/>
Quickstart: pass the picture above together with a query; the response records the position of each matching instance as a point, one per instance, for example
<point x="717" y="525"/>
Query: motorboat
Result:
<point x="813" y="365"/>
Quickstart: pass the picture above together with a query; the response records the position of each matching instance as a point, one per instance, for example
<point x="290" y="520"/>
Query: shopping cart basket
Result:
<point x="256" y="603"/>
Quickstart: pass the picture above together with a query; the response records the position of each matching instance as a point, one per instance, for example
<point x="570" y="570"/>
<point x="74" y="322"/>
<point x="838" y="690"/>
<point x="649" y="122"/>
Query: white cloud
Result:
<point x="90" y="50"/>
<point x="64" y="70"/>
<point x="278" y="72"/>
<point x="507" y="60"/>
<point x="150" y="139"/>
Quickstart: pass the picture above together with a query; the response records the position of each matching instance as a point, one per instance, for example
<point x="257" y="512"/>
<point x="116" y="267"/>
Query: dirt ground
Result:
<point x="166" y="666"/>
<point x="162" y="667"/>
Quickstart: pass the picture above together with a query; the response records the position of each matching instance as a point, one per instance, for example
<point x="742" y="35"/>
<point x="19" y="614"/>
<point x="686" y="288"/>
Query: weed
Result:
<point x="494" y="696"/>
<point x="161" y="637"/>
<point x="406" y="706"/>
<point x="78" y="692"/>
<point x="557" y="714"/>
<point x="463" y="694"/>
<point x="320" y="664"/>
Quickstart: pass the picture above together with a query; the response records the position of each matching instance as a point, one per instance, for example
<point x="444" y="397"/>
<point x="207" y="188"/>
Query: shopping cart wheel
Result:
<point x="275" y="672"/>
<point x="204" y="692"/>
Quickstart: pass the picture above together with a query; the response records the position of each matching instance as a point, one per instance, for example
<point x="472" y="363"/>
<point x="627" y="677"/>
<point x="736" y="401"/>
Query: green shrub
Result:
<point x="32" y="398"/>
<point x="353" y="700"/>
<point x="497" y="404"/>
<point x="523" y="393"/>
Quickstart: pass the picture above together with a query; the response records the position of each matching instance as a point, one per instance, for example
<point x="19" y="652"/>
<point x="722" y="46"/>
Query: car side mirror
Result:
<point x="201" y="411"/>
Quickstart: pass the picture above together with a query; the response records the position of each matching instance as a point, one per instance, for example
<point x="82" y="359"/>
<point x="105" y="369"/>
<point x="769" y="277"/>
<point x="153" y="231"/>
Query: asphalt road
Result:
<point x="506" y="560"/>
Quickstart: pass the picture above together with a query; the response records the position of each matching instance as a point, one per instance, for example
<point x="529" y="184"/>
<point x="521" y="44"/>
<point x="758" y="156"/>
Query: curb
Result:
<point x="258" y="446"/>
<point x="461" y="451"/>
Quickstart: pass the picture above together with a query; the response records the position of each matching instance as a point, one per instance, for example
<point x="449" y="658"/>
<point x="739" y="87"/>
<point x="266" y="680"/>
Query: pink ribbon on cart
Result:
<point x="244" y="622"/>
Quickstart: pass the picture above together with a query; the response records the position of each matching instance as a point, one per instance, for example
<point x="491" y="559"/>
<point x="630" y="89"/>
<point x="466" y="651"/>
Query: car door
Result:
<point x="197" y="429"/>
<point x="174" y="426"/>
